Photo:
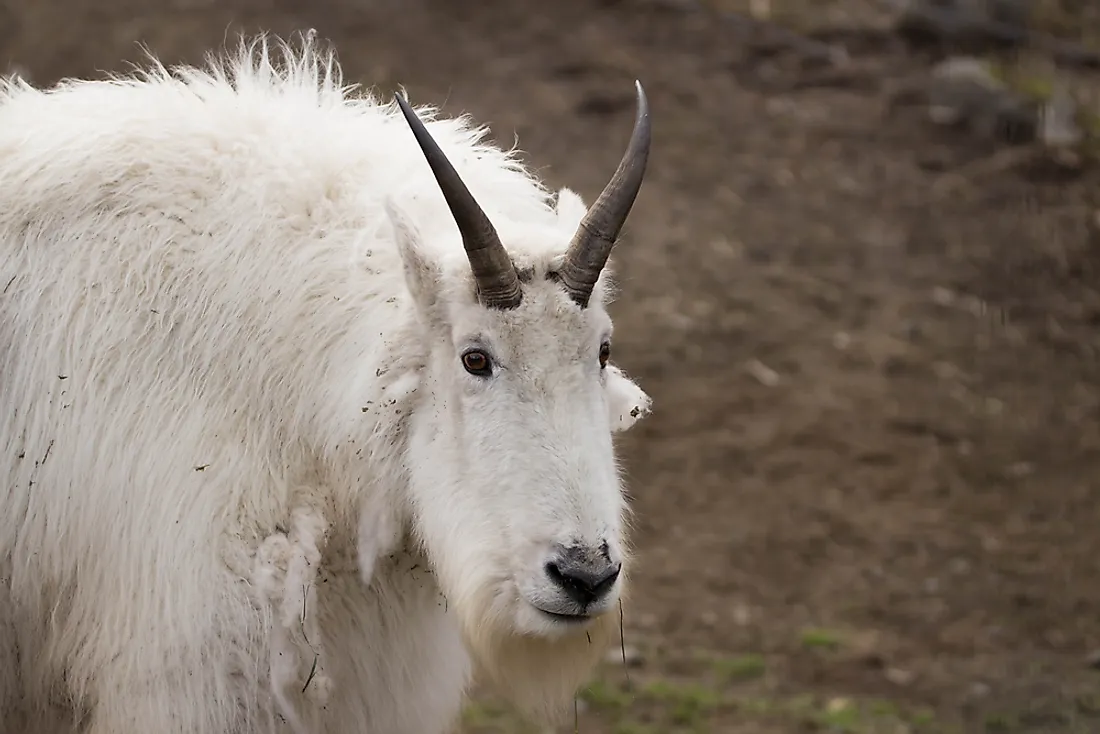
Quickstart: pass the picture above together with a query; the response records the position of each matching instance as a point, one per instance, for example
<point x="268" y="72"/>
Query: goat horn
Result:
<point x="497" y="282"/>
<point x="591" y="246"/>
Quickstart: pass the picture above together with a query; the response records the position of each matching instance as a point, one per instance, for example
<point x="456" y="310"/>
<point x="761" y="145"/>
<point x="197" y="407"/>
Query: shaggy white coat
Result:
<point x="239" y="458"/>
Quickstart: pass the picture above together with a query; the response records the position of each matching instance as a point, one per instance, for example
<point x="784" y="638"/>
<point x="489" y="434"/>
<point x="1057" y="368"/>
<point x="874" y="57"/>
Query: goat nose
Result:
<point x="584" y="580"/>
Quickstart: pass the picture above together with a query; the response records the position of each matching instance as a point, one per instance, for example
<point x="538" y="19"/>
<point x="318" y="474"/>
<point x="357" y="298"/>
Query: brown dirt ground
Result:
<point x="898" y="533"/>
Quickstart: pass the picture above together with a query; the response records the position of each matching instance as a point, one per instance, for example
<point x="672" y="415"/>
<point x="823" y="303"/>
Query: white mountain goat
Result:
<point x="282" y="448"/>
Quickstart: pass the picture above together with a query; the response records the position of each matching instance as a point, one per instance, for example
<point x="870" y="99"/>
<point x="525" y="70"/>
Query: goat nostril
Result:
<point x="581" y="582"/>
<point x="555" y="574"/>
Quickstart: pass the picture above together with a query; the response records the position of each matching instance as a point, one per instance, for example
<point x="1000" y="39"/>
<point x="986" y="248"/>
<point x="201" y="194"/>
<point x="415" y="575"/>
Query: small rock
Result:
<point x="1058" y="126"/>
<point x="943" y="296"/>
<point x="760" y="9"/>
<point x="991" y="544"/>
<point x="979" y="690"/>
<point x="764" y="375"/>
<point x="976" y="306"/>
<point x="945" y="370"/>
<point x="964" y="92"/>
<point x="742" y="615"/>
<point x="961" y="85"/>
<point x="1067" y="158"/>
<point x="899" y="677"/>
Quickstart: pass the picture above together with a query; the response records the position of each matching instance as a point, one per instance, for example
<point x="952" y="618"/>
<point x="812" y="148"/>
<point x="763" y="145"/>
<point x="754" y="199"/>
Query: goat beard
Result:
<point x="539" y="675"/>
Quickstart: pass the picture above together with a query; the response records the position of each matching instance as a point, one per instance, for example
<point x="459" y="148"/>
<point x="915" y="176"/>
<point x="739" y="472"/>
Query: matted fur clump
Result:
<point x="307" y="408"/>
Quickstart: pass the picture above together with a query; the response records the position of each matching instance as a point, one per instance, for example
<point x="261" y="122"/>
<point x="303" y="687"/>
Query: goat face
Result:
<point x="515" y="487"/>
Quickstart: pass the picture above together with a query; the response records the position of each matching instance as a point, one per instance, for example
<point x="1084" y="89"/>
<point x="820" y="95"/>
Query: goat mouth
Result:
<point x="580" y="618"/>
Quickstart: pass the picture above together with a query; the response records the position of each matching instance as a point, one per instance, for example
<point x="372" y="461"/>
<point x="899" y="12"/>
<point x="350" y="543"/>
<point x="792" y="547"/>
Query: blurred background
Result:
<point x="860" y="285"/>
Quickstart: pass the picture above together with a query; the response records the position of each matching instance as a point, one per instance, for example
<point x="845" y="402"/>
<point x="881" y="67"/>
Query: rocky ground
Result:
<point x="861" y="286"/>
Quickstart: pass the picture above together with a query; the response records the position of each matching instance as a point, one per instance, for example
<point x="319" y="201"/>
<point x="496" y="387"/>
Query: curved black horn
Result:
<point x="497" y="282"/>
<point x="591" y="246"/>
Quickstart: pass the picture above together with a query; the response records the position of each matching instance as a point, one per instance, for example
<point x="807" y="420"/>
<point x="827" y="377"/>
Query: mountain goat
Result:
<point x="290" y="440"/>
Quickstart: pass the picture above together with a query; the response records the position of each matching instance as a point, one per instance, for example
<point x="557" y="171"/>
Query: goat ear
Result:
<point x="626" y="402"/>
<point x="422" y="276"/>
<point x="570" y="209"/>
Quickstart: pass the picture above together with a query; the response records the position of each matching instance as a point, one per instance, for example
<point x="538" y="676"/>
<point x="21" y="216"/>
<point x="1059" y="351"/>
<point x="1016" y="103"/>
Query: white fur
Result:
<point x="235" y="433"/>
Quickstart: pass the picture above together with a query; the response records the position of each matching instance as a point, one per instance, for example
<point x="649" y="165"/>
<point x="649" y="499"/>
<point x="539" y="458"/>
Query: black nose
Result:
<point x="584" y="577"/>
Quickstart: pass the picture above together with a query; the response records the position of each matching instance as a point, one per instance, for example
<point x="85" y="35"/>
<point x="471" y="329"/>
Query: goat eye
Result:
<point x="605" y="354"/>
<point x="477" y="363"/>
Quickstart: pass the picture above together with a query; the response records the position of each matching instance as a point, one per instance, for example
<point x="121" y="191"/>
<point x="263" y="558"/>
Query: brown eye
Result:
<point x="605" y="354"/>
<point x="477" y="363"/>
